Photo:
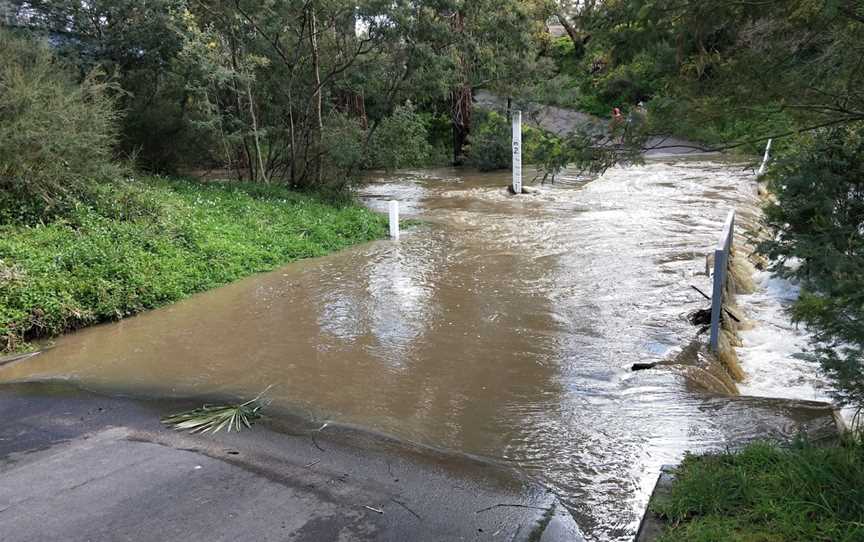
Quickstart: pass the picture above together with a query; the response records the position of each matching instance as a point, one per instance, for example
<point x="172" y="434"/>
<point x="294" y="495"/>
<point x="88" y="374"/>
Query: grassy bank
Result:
<point x="155" y="241"/>
<point x="765" y="493"/>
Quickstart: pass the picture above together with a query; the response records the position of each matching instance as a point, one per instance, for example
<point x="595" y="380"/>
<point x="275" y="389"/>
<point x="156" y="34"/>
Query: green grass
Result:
<point x="766" y="493"/>
<point x="156" y="241"/>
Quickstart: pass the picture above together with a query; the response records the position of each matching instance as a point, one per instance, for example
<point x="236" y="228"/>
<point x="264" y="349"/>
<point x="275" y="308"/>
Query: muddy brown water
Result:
<point x="502" y="327"/>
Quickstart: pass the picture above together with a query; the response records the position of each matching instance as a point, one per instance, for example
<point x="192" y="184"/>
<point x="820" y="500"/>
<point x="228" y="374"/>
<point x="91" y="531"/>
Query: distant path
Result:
<point x="561" y="121"/>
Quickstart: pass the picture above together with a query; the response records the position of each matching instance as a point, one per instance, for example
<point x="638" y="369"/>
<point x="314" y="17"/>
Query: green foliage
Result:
<point x="716" y="121"/>
<point x="56" y="136"/>
<point x="345" y="141"/>
<point x="608" y="77"/>
<point x="566" y="56"/>
<point x="818" y="218"/>
<point x="136" y="44"/>
<point x="591" y="103"/>
<point x="491" y="140"/>
<point x="95" y="267"/>
<point x="400" y="141"/>
<point x="636" y="81"/>
<point x="490" y="144"/>
<point x="768" y="494"/>
<point x="256" y="87"/>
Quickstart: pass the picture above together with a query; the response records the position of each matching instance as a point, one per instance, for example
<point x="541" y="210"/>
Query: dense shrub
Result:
<point x="344" y="141"/>
<point x="55" y="135"/>
<point x="818" y="218"/>
<point x="400" y="141"/>
<point x="490" y="142"/>
<point x="567" y="55"/>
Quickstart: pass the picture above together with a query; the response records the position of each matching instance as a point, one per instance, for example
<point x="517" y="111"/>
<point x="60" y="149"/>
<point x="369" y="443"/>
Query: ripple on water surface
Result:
<point x="501" y="326"/>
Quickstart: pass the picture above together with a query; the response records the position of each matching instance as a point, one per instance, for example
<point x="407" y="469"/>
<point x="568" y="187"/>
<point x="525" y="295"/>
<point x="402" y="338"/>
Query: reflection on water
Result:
<point x="502" y="326"/>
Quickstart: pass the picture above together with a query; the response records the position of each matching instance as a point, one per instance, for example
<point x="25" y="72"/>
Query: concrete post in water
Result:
<point x="517" y="152"/>
<point x="394" y="220"/>
<point x="765" y="159"/>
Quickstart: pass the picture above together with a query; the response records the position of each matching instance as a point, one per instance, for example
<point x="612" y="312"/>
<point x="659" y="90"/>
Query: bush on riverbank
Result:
<point x="56" y="133"/>
<point x="154" y="241"/>
<point x="767" y="493"/>
<point x="491" y="145"/>
<point x="817" y="218"/>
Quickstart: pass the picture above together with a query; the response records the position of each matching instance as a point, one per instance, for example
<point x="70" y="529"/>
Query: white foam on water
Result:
<point x="773" y="352"/>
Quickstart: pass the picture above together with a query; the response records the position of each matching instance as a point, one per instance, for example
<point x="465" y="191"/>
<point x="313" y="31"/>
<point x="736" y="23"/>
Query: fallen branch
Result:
<point x="706" y="296"/>
<point x="214" y="418"/>
<point x="727" y="311"/>
<point x="312" y="434"/>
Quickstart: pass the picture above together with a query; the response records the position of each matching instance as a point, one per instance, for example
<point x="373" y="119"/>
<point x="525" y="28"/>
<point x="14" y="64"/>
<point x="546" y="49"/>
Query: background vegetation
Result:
<point x="301" y="93"/>
<point x="818" y="218"/>
<point x="56" y="134"/>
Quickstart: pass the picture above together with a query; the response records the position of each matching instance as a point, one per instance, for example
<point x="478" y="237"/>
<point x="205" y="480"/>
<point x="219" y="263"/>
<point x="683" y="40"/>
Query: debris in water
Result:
<point x="700" y="317"/>
<point x="214" y="418"/>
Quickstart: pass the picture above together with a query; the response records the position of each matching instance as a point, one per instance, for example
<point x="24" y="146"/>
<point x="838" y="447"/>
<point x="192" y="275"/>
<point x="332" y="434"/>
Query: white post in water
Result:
<point x="394" y="220"/>
<point x="765" y="159"/>
<point x="517" y="152"/>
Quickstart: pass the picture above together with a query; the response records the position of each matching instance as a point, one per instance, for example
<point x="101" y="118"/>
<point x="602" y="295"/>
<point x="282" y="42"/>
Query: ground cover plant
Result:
<point x="768" y="493"/>
<point x="104" y="262"/>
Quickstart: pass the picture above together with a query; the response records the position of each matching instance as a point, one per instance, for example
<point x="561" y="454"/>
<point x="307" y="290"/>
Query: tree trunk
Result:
<point x="318" y="128"/>
<point x="347" y="100"/>
<point x="575" y="37"/>
<point x="261" y="169"/>
<point x="460" y="100"/>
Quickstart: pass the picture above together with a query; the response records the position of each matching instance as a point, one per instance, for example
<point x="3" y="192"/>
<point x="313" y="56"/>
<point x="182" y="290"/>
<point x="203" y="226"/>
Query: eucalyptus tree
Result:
<point x="494" y="45"/>
<point x="574" y="17"/>
<point x="266" y="87"/>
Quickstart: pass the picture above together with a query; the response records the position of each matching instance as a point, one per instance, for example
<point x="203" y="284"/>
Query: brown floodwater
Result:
<point x="501" y="326"/>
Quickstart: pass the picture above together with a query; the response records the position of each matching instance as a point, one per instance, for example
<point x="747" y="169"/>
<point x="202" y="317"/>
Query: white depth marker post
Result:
<point x="765" y="159"/>
<point x="517" y="152"/>
<point x="394" y="220"/>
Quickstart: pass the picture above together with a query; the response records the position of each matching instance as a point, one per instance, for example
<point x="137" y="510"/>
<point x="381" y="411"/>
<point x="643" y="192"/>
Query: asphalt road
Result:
<point x="81" y="467"/>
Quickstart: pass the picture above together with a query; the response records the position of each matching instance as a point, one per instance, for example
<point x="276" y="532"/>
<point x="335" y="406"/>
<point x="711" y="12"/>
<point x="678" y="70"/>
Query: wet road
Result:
<point x="503" y="327"/>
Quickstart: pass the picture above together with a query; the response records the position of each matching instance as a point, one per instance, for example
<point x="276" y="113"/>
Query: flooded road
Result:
<point x="503" y="327"/>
